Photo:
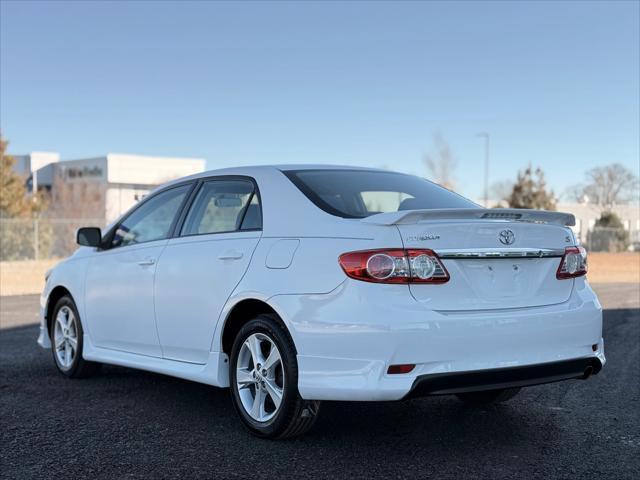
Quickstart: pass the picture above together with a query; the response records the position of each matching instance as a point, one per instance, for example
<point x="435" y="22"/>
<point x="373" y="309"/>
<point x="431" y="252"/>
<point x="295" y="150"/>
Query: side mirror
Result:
<point x="89" y="237"/>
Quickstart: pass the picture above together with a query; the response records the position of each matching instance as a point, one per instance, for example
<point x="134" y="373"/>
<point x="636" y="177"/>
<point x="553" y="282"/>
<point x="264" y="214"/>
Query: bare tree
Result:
<point x="73" y="205"/>
<point x="76" y="200"/>
<point x="501" y="191"/>
<point x="441" y="163"/>
<point x="575" y="193"/>
<point x="610" y="185"/>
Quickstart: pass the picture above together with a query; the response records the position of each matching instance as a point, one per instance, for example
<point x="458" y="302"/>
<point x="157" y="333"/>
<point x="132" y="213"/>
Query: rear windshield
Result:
<point x="361" y="193"/>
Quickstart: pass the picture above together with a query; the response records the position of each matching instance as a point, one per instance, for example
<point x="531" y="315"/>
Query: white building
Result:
<point x="28" y="166"/>
<point x="102" y="187"/>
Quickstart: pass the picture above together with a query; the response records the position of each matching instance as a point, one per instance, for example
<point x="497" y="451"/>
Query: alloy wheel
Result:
<point x="260" y="378"/>
<point x="65" y="337"/>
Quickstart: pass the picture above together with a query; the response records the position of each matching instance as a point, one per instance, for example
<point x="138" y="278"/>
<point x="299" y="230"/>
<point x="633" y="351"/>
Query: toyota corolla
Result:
<point x="297" y="284"/>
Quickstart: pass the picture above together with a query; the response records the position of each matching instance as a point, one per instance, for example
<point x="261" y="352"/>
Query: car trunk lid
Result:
<point x="507" y="259"/>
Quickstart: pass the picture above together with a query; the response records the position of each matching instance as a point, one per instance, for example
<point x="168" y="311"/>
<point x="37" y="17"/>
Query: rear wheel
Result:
<point x="66" y="341"/>
<point x="488" y="397"/>
<point x="264" y="381"/>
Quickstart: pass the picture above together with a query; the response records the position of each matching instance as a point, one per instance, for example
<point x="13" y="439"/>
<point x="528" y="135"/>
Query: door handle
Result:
<point x="146" y="262"/>
<point x="230" y="255"/>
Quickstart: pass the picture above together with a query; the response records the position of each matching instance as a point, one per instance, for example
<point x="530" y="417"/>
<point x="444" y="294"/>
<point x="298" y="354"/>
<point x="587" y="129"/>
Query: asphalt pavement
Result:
<point x="125" y="423"/>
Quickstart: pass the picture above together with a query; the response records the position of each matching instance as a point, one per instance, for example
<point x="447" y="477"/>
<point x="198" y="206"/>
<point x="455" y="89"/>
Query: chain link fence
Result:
<point x="41" y="238"/>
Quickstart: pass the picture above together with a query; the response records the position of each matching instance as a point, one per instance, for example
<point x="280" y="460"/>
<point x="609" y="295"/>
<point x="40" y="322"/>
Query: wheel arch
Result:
<point x="56" y="294"/>
<point x="237" y="315"/>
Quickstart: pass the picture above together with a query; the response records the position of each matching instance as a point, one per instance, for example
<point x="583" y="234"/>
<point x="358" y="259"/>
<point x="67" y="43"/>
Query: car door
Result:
<point x="198" y="270"/>
<point x="119" y="281"/>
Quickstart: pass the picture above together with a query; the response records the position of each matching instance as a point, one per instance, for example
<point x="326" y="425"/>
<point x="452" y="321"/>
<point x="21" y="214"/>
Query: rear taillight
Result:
<point x="573" y="263"/>
<point x="394" y="266"/>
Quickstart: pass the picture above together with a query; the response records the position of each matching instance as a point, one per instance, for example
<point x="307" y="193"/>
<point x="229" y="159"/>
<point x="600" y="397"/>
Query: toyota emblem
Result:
<point x="507" y="237"/>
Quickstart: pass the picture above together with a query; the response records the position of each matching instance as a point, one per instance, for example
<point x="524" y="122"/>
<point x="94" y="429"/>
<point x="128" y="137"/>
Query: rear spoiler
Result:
<point x="510" y="214"/>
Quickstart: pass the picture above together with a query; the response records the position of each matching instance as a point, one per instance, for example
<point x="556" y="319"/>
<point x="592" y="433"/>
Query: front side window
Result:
<point x="361" y="193"/>
<point x="152" y="220"/>
<point x="223" y="206"/>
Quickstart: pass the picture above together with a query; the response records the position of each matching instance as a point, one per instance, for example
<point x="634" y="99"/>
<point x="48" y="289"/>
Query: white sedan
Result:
<point x="297" y="284"/>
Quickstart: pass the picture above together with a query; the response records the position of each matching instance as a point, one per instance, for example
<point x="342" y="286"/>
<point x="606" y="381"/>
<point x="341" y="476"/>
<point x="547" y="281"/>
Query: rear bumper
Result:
<point x="492" y="379"/>
<point x="347" y="339"/>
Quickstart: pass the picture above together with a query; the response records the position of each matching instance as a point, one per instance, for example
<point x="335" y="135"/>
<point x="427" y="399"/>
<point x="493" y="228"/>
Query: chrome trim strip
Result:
<point x="501" y="253"/>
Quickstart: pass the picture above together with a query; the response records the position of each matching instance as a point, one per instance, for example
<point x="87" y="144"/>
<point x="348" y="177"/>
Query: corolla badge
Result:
<point x="507" y="237"/>
<point x="423" y="237"/>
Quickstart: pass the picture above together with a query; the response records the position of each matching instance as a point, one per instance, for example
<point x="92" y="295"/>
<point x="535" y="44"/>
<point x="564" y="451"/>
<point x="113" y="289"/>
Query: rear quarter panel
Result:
<point x="313" y="269"/>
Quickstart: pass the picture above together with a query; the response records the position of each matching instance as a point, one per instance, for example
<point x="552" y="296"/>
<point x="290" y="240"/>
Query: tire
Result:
<point x="488" y="397"/>
<point x="293" y="415"/>
<point x="66" y="336"/>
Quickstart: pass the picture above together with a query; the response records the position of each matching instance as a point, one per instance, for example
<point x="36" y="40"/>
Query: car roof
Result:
<point x="283" y="167"/>
<point x="255" y="169"/>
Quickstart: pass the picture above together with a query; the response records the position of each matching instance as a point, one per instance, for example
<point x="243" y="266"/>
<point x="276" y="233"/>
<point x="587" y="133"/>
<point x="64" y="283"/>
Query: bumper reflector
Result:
<point x="404" y="368"/>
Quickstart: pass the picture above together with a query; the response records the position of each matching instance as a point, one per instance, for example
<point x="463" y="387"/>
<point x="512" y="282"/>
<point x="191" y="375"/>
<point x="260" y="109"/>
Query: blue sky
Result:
<point x="555" y="84"/>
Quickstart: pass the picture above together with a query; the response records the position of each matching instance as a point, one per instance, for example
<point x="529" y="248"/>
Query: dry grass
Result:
<point x="25" y="277"/>
<point x="614" y="267"/>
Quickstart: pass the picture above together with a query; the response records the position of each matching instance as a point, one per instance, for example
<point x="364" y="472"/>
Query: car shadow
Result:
<point x="428" y="421"/>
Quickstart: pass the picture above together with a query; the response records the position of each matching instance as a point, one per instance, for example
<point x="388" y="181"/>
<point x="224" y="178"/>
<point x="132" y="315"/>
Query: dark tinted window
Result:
<point x="253" y="216"/>
<point x="223" y="206"/>
<point x="360" y="193"/>
<point x="152" y="220"/>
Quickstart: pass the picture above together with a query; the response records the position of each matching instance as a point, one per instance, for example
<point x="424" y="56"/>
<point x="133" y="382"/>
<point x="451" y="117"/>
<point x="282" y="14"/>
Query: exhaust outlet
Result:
<point x="587" y="372"/>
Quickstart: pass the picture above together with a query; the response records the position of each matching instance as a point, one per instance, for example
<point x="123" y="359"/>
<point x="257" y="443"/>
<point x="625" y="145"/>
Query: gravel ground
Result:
<point x="125" y="423"/>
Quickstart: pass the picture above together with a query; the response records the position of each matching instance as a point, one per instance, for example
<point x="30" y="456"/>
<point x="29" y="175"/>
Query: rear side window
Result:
<point x="361" y="193"/>
<point x="224" y="206"/>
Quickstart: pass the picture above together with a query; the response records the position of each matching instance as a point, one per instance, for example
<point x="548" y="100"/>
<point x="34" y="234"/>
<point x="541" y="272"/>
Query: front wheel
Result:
<point x="67" y="341"/>
<point x="264" y="381"/>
